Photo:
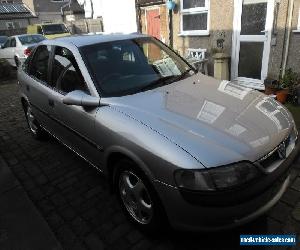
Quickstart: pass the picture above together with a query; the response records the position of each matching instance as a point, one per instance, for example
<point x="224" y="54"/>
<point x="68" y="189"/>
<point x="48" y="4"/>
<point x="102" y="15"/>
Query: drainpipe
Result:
<point x="287" y="43"/>
<point x="171" y="28"/>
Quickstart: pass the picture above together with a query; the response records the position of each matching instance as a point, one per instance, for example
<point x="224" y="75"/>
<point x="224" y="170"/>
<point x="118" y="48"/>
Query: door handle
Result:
<point x="51" y="103"/>
<point x="27" y="88"/>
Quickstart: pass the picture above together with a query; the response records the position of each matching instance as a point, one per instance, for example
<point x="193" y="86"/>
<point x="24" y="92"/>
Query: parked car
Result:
<point x="49" y="30"/>
<point x="2" y="40"/>
<point x="17" y="48"/>
<point x="175" y="144"/>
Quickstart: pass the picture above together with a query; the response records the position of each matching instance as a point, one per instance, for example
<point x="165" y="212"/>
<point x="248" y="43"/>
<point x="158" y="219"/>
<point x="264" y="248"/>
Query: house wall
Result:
<point x="118" y="15"/>
<point x="23" y="23"/>
<point x="294" y="46"/>
<point x="46" y="10"/>
<point x="279" y="33"/>
<point x="221" y="27"/>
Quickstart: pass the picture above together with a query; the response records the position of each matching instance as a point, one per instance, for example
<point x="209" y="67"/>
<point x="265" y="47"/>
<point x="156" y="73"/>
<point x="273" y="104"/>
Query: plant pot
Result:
<point x="270" y="90"/>
<point x="282" y="95"/>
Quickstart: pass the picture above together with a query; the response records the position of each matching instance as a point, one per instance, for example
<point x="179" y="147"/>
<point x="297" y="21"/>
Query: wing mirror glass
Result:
<point x="80" y="98"/>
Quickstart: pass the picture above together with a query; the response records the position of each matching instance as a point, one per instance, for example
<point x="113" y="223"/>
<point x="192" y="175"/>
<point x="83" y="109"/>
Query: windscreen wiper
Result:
<point x="159" y="82"/>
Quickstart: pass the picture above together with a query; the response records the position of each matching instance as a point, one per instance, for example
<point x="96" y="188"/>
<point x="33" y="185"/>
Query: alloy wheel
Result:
<point x="135" y="197"/>
<point x="31" y="120"/>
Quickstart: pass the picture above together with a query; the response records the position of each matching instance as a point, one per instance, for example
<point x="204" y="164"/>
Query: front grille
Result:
<point x="274" y="156"/>
<point x="271" y="159"/>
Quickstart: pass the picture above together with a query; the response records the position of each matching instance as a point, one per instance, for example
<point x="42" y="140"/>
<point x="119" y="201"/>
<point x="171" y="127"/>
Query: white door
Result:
<point x="253" y="22"/>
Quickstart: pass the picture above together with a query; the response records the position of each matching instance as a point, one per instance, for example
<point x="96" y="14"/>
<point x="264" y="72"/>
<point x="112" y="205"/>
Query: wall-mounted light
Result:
<point x="170" y="4"/>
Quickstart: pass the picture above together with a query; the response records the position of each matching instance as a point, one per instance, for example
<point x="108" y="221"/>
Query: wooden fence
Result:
<point x="85" y="26"/>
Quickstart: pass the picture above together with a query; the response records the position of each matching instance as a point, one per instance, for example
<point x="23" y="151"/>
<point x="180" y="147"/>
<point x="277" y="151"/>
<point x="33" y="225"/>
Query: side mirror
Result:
<point x="80" y="98"/>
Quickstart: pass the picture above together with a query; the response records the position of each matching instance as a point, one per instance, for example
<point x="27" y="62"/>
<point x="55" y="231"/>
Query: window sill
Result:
<point x="204" y="33"/>
<point x="296" y="31"/>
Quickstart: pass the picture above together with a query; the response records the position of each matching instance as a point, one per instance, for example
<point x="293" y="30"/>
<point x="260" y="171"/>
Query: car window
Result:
<point x="66" y="75"/>
<point x="31" y="39"/>
<point x="51" y="29"/>
<point x="3" y="39"/>
<point x="13" y="43"/>
<point x="7" y="43"/>
<point x="39" y="64"/>
<point x="71" y="80"/>
<point x="39" y="30"/>
<point x="129" y="66"/>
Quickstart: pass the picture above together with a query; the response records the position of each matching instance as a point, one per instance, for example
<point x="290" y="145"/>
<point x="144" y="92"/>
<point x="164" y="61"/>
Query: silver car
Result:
<point x="177" y="146"/>
<point x="17" y="48"/>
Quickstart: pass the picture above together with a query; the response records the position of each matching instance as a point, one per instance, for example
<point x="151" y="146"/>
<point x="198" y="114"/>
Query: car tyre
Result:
<point x="137" y="197"/>
<point x="34" y="127"/>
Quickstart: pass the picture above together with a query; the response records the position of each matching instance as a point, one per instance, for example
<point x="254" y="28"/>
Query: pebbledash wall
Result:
<point x="46" y="10"/>
<point x="221" y="27"/>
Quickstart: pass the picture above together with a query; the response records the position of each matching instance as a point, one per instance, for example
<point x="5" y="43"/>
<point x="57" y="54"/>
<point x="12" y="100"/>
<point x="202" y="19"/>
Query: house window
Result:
<point x="195" y="17"/>
<point x="10" y="25"/>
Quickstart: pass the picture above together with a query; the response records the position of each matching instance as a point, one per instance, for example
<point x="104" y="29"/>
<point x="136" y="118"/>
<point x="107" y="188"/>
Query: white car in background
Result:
<point x="17" y="48"/>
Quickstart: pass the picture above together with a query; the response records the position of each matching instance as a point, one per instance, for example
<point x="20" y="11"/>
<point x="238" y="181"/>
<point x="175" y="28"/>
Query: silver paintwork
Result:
<point x="196" y="123"/>
<point x="79" y="98"/>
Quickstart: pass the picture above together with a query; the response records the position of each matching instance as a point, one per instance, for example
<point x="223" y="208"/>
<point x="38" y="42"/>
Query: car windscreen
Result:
<point x="31" y="39"/>
<point x="131" y="66"/>
<point x="3" y="39"/>
<point x="51" y="29"/>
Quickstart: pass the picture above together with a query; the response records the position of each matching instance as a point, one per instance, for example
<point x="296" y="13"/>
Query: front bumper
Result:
<point x="185" y="215"/>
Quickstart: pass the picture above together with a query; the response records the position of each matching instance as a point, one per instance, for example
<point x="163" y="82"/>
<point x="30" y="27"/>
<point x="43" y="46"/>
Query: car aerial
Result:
<point x="2" y="40"/>
<point x="177" y="146"/>
<point x="17" y="48"/>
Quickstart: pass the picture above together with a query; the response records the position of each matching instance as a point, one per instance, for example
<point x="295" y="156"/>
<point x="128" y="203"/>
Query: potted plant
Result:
<point x="297" y="92"/>
<point x="288" y="85"/>
<point x="271" y="86"/>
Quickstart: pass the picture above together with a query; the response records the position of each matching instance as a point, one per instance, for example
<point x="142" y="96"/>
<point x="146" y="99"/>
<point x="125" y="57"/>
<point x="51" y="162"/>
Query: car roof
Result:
<point x="23" y="35"/>
<point x="83" y="40"/>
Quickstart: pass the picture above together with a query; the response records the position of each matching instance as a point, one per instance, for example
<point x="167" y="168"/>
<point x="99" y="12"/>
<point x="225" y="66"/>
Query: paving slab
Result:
<point x="21" y="225"/>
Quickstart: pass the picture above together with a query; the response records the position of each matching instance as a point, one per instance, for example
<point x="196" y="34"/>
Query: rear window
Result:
<point x="31" y="39"/>
<point x="54" y="29"/>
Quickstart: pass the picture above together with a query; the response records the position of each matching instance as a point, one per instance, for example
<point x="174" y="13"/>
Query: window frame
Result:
<point x="15" y="41"/>
<point x="55" y="85"/>
<point x="32" y="56"/>
<point x="8" y="25"/>
<point x="193" y="11"/>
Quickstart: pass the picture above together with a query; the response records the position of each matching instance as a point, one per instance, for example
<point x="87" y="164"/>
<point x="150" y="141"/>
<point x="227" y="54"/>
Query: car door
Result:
<point x="38" y="88"/>
<point x="6" y="51"/>
<point x="77" y="123"/>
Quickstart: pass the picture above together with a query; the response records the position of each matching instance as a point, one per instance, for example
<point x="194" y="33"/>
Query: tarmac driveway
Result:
<point x="75" y="200"/>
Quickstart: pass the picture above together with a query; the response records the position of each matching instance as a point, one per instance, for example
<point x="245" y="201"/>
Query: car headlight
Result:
<point x="218" y="178"/>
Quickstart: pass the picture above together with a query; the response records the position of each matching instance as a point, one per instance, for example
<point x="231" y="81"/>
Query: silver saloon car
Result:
<point x="176" y="145"/>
